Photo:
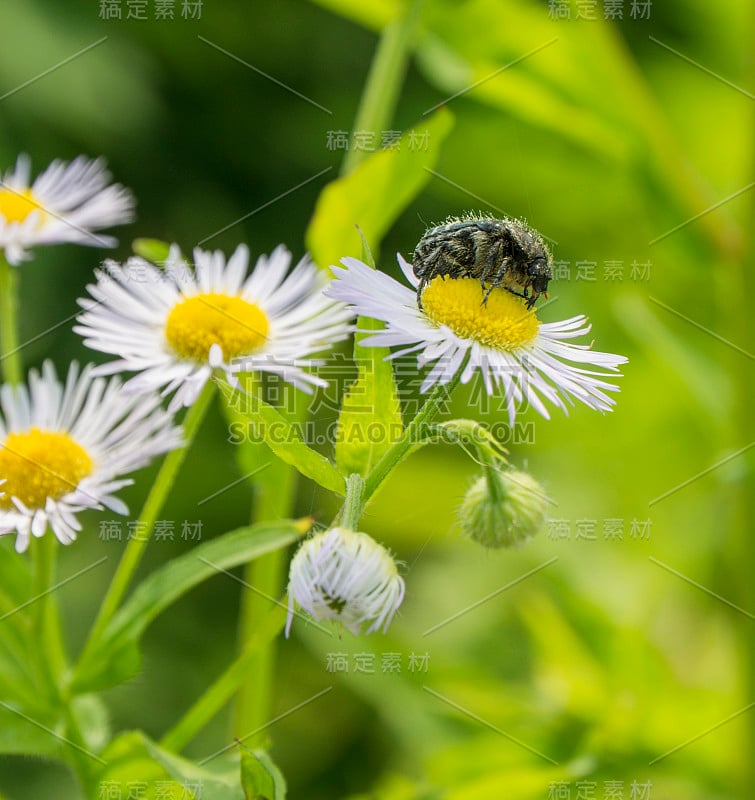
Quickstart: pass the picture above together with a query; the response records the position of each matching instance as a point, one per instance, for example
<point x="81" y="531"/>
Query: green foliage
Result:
<point x="115" y="657"/>
<point x="133" y="759"/>
<point x="260" y="777"/>
<point x="20" y="735"/>
<point x="373" y="195"/>
<point x="370" y="419"/>
<point x="283" y="439"/>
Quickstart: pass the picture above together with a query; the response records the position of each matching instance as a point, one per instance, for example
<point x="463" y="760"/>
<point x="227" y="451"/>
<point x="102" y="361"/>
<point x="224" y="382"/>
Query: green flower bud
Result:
<point x="503" y="508"/>
<point x="153" y="250"/>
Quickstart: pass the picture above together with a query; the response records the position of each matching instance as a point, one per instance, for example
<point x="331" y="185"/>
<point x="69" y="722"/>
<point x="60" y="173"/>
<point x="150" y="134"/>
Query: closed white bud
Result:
<point x="346" y="576"/>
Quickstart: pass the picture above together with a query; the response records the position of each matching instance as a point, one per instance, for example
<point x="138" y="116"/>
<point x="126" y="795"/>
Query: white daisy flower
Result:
<point x="345" y="576"/>
<point x="514" y="352"/>
<point x="66" y="203"/>
<point x="173" y="326"/>
<point x="64" y="449"/>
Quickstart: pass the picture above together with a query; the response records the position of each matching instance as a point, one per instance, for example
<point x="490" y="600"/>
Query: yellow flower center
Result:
<point x="38" y="464"/>
<point x="504" y="322"/>
<point x="16" y="206"/>
<point x="197" y="323"/>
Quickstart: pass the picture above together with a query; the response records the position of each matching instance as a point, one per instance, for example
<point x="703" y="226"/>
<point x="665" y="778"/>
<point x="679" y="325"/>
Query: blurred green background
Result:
<point x="587" y="677"/>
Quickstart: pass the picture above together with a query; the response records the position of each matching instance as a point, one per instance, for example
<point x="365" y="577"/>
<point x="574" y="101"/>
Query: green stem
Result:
<point x="50" y="655"/>
<point x="43" y="571"/>
<point x="10" y="352"/>
<point x="162" y="486"/>
<point x="221" y="691"/>
<point x="273" y="500"/>
<point x="46" y="627"/>
<point x="412" y="435"/>
<point x="81" y="760"/>
<point x="384" y="81"/>
<point x="274" y="488"/>
<point x="353" y="505"/>
<point x="46" y="661"/>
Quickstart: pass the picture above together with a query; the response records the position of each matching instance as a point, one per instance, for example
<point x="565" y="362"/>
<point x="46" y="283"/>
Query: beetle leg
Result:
<point x="518" y="294"/>
<point x="420" y="288"/>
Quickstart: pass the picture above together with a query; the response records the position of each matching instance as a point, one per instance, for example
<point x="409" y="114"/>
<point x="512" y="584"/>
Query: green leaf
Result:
<point x="93" y="720"/>
<point x="375" y="193"/>
<point x="115" y="658"/>
<point x="15" y="576"/>
<point x="16" y="680"/>
<point x="16" y="674"/>
<point x="284" y="439"/>
<point x="15" y="590"/>
<point x="133" y="759"/>
<point x="22" y="675"/>
<point x="370" y="419"/>
<point x="260" y="777"/>
<point x="23" y="732"/>
<point x="351" y="211"/>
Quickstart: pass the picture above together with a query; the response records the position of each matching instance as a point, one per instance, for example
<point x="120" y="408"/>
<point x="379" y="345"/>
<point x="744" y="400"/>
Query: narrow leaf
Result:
<point x="285" y="440"/>
<point x="260" y="777"/>
<point x="134" y="759"/>
<point x="375" y="193"/>
<point x="115" y="657"/>
<point x="370" y="419"/>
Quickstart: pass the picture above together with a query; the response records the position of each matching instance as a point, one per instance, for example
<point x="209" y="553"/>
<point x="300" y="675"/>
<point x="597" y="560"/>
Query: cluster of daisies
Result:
<point x="67" y="445"/>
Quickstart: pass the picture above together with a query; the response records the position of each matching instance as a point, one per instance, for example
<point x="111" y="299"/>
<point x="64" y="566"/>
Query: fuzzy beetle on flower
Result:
<point x="456" y="334"/>
<point x="505" y="253"/>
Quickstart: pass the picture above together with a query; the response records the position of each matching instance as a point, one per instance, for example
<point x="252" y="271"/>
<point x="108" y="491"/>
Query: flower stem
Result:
<point x="412" y="436"/>
<point x="162" y="486"/>
<point x="353" y="505"/>
<point x="46" y="627"/>
<point x="235" y="675"/>
<point x="274" y="484"/>
<point x="384" y="80"/>
<point x="82" y="761"/>
<point x="10" y="352"/>
<point x="273" y="500"/>
<point x="51" y="658"/>
<point x="43" y="570"/>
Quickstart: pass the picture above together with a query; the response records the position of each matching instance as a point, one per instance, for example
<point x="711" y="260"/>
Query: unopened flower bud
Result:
<point x="345" y="576"/>
<point x="503" y="508"/>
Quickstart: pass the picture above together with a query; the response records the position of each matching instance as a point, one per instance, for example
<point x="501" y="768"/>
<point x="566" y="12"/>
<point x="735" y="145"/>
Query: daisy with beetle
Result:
<point x="461" y="321"/>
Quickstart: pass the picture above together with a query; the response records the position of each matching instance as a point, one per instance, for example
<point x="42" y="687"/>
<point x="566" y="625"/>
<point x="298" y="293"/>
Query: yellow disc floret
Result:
<point x="38" y="464"/>
<point x="197" y="323"/>
<point x="15" y="206"/>
<point x="504" y="322"/>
